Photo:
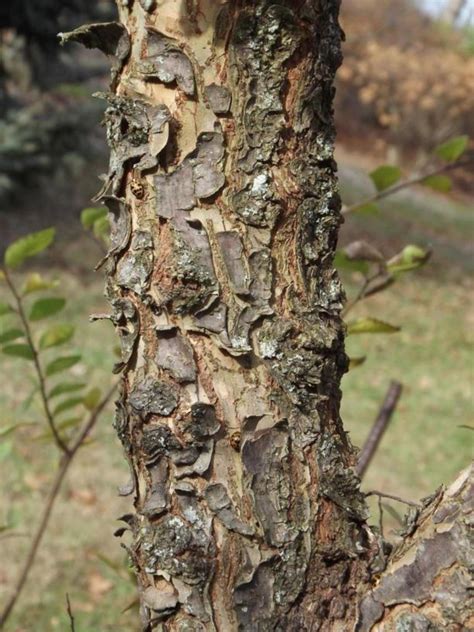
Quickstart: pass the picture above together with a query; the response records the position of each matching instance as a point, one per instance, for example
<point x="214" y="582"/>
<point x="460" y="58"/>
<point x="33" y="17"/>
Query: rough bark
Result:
<point x="427" y="585"/>
<point x="224" y="207"/>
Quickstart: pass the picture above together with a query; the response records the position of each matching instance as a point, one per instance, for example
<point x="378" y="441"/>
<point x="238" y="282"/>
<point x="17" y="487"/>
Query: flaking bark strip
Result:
<point x="111" y="38"/>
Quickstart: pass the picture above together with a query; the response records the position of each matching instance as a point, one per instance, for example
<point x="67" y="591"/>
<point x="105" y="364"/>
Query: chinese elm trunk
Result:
<point x="224" y="210"/>
<point x="224" y="199"/>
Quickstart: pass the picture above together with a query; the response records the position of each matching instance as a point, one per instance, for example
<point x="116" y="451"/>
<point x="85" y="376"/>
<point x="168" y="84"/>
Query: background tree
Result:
<point x="225" y="213"/>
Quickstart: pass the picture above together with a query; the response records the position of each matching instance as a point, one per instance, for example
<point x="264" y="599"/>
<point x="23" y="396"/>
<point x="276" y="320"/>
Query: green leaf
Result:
<point x="441" y="183"/>
<point x="367" y="209"/>
<point x="354" y="362"/>
<point x="90" y="215"/>
<point x="61" y="364"/>
<point x="28" y="246"/>
<point x="70" y="422"/>
<point x="67" y="404"/>
<point x="385" y="176"/>
<point x="342" y="262"/>
<point x="410" y="258"/>
<point x="10" y="334"/>
<point x="92" y="398"/>
<point x="452" y="149"/>
<point x="44" y="307"/>
<point x="5" y="309"/>
<point x="370" y="326"/>
<point x="35" y="283"/>
<point x="21" y="424"/>
<point x="101" y="228"/>
<point x="65" y="387"/>
<point x="56" y="335"/>
<point x="19" y="351"/>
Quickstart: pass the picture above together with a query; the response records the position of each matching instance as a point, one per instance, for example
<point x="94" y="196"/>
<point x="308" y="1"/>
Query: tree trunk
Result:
<point x="453" y="10"/>
<point x="225" y="213"/>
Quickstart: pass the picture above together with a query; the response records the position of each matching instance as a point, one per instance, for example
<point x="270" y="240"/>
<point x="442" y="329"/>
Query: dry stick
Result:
<point x="383" y="419"/>
<point x="405" y="184"/>
<point x="70" y="615"/>
<point x="39" y="371"/>
<point x="52" y="496"/>
<point x="411" y="503"/>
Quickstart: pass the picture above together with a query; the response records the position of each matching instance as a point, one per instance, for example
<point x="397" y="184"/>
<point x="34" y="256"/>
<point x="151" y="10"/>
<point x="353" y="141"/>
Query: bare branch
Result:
<point x="374" y="492"/>
<point x="70" y="614"/>
<point x="381" y="423"/>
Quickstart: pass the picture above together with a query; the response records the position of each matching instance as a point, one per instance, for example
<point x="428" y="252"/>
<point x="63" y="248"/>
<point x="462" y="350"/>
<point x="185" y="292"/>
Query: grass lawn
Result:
<point x="423" y="447"/>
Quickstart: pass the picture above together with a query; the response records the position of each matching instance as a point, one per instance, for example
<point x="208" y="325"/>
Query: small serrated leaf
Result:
<point x="10" y="334"/>
<point x="67" y="404"/>
<point x="440" y="183"/>
<point x="19" y="351"/>
<point x="61" y="364"/>
<point x="410" y="258"/>
<point x="56" y="335"/>
<point x="91" y="214"/>
<point x="66" y="387"/>
<point x="453" y="148"/>
<point x="385" y="176"/>
<point x="44" y="307"/>
<point x="370" y="326"/>
<point x="92" y="398"/>
<point x="35" y="283"/>
<point x="28" y="246"/>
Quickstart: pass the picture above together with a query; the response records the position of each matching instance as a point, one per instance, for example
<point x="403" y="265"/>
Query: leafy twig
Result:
<point x="52" y="496"/>
<point x="405" y="184"/>
<point x="39" y="370"/>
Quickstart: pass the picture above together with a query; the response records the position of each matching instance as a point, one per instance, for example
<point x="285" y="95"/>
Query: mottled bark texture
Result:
<point x="427" y="585"/>
<point x="224" y="209"/>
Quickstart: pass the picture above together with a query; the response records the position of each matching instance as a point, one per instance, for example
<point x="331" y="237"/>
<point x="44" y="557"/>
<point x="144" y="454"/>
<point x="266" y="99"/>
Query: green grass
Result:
<point x="422" y="448"/>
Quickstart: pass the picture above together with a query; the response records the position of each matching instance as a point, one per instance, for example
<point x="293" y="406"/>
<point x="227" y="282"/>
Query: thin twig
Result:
<point x="39" y="370"/>
<point x="52" y="496"/>
<point x="70" y="615"/>
<point x="405" y="184"/>
<point x="374" y="492"/>
<point x="380" y="425"/>
<point x="361" y="293"/>
<point x="379" y="502"/>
